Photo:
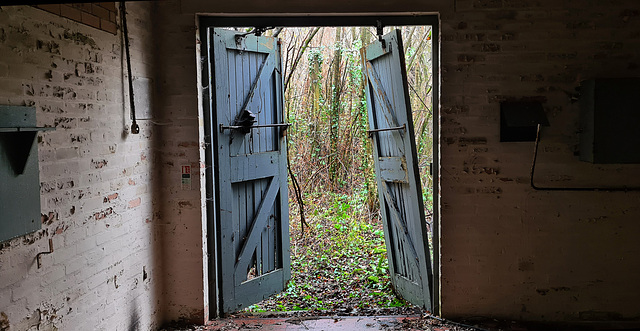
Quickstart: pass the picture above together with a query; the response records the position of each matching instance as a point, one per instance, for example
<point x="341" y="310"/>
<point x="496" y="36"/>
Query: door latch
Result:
<point x="380" y="32"/>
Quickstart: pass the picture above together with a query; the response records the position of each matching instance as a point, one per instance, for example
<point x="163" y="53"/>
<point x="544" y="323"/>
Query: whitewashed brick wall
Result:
<point x="509" y="251"/>
<point x="183" y="215"/>
<point x="97" y="179"/>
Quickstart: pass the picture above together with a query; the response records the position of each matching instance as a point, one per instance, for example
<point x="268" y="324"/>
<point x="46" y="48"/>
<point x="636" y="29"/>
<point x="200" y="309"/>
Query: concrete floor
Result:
<point x="311" y="323"/>
<point x="397" y="322"/>
<point x="354" y="323"/>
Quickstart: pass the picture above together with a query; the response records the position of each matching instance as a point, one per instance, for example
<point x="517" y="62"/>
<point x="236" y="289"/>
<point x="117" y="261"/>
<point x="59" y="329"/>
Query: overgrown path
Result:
<point x="339" y="266"/>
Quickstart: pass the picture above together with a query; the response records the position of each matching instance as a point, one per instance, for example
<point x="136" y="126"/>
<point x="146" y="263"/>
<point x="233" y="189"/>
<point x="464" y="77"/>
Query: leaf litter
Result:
<point x="339" y="268"/>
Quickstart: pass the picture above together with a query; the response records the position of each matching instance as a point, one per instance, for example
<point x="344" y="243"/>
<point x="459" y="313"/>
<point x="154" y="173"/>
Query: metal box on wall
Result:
<point x="610" y="120"/>
<point x="19" y="173"/>
<point x="519" y="120"/>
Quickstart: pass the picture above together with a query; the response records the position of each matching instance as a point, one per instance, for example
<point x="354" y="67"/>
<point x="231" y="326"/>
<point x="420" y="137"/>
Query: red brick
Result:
<point x="85" y="7"/>
<point x="103" y="213"/>
<point x="112" y="17"/>
<point x="54" y="8"/>
<point x="135" y="203"/>
<point x="71" y="13"/>
<point x="108" y="26"/>
<point x="111" y="6"/>
<point x="111" y="197"/>
<point x="91" y="20"/>
<point x="100" y="12"/>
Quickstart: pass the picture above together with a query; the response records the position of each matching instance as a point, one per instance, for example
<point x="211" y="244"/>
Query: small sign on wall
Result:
<point x="186" y="177"/>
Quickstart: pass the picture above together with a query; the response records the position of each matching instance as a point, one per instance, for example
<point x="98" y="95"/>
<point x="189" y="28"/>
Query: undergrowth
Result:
<point x="340" y="264"/>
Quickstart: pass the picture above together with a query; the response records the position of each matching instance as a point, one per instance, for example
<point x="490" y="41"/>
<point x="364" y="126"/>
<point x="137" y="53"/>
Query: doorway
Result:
<point x="262" y="185"/>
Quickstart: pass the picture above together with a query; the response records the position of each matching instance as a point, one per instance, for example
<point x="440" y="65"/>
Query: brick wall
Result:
<point x="96" y="178"/>
<point x="507" y="251"/>
<point x="184" y="222"/>
<point x="101" y="15"/>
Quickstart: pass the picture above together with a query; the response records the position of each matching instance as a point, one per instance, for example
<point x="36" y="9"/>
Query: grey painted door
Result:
<point x="397" y="173"/>
<point x="251" y="219"/>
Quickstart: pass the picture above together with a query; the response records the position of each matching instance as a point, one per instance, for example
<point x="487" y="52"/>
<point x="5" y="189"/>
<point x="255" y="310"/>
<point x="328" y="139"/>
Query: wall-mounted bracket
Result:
<point x="519" y="120"/>
<point x="44" y="253"/>
<point x="17" y="133"/>
<point x="17" y="142"/>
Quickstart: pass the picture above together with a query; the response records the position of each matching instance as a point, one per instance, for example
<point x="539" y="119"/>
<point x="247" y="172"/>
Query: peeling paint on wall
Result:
<point x="72" y="75"/>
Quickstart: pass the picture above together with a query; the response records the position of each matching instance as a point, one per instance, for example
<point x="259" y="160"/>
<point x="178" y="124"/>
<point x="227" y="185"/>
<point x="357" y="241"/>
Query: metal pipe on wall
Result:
<point x="135" y="129"/>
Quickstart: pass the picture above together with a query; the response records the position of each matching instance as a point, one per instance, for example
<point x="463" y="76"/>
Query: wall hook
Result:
<point x="44" y="253"/>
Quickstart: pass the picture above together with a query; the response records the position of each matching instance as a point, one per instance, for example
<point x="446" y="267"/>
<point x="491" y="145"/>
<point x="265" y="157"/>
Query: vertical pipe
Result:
<point x="135" y="129"/>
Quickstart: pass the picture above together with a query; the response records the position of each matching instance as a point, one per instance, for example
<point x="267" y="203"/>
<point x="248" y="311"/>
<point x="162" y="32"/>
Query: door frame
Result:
<point x="206" y="21"/>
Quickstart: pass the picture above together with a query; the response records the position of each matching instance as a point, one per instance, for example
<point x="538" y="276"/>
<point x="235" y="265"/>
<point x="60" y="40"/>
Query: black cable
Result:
<point x="576" y="189"/>
<point x="135" y="129"/>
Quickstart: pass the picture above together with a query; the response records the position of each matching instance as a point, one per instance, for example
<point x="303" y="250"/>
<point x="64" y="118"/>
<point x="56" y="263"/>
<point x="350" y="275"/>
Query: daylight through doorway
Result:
<point x="339" y="255"/>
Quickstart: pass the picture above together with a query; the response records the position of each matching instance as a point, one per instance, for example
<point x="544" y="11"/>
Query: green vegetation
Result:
<point x="340" y="265"/>
<point x="339" y="257"/>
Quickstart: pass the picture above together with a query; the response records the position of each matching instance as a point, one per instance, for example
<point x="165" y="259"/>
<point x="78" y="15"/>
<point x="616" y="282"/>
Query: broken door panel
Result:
<point x="399" y="188"/>
<point x="250" y="169"/>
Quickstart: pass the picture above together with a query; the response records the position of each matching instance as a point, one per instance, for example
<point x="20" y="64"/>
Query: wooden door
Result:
<point x="251" y="217"/>
<point x="399" y="189"/>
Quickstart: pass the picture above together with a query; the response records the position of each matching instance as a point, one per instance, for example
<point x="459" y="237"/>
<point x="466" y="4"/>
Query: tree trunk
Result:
<point x="334" y="112"/>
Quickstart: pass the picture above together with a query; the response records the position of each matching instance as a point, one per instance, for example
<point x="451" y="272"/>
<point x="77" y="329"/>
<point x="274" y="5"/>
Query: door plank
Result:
<point x="387" y="108"/>
<point x="392" y="203"/>
<point x="265" y="71"/>
<point x="261" y="287"/>
<point x="393" y="169"/>
<point x="251" y="43"/>
<point x="251" y="188"/>
<point x="375" y="51"/>
<point x="397" y="173"/>
<point x="248" y="167"/>
<point x="257" y="225"/>
<point x="281" y="225"/>
<point x="261" y="88"/>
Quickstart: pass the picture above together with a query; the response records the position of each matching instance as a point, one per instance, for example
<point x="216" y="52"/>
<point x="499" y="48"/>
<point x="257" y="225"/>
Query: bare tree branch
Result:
<point x="299" y="56"/>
